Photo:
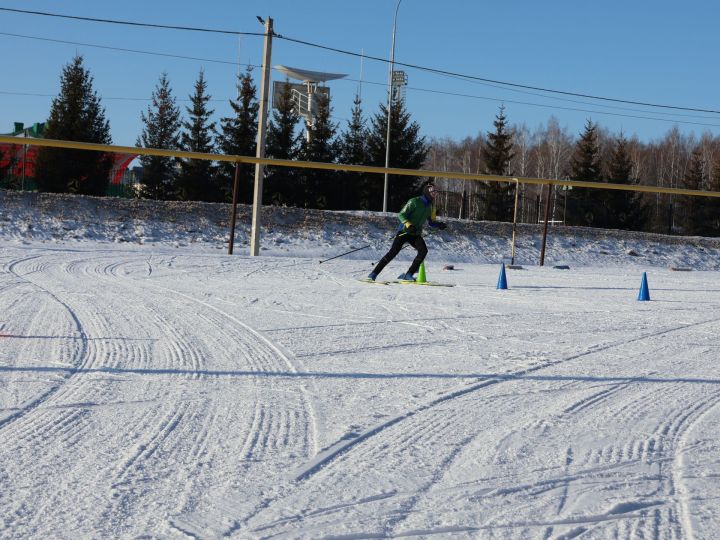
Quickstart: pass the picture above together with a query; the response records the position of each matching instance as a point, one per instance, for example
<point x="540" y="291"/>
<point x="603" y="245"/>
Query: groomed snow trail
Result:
<point x="179" y="394"/>
<point x="135" y="405"/>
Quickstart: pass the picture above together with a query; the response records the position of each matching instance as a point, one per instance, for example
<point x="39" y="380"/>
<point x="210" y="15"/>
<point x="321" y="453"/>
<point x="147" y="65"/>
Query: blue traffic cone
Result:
<point x="502" y="280"/>
<point x="644" y="294"/>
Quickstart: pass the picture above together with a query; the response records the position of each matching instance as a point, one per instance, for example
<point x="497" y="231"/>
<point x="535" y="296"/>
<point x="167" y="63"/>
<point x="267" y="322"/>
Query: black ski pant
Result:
<point x="400" y="240"/>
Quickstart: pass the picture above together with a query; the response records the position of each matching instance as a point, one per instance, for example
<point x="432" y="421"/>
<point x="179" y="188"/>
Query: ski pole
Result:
<point x="346" y="253"/>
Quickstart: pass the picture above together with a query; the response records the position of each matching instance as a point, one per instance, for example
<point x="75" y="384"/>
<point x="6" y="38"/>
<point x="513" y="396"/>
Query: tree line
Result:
<point x="550" y="151"/>
<point x="77" y="115"/>
<point x="594" y="155"/>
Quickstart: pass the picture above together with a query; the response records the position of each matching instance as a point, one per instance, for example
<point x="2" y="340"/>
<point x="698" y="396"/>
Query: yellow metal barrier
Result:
<point x="350" y="168"/>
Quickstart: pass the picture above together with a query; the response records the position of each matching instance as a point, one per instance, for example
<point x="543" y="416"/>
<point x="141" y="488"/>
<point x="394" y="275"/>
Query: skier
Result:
<point x="412" y="217"/>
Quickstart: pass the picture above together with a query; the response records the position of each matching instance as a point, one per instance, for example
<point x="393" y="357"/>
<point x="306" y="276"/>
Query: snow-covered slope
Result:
<point x="152" y="386"/>
<point x="68" y="219"/>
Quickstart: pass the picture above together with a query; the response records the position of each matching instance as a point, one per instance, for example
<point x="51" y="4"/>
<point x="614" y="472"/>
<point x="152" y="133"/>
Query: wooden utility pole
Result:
<point x="262" y="123"/>
<point x="547" y="216"/>
<point x="233" y="215"/>
<point x="514" y="229"/>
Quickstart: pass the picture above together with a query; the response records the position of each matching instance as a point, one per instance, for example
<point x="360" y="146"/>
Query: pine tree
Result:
<point x="76" y="115"/>
<point x="283" y="143"/>
<point x="239" y="137"/>
<point x="320" y="187"/>
<point x="498" y="198"/>
<point x="408" y="150"/>
<point x="693" y="212"/>
<point x="357" y="187"/>
<point x="197" y="180"/>
<point x="162" y="124"/>
<point x="582" y="204"/>
<point x="623" y="209"/>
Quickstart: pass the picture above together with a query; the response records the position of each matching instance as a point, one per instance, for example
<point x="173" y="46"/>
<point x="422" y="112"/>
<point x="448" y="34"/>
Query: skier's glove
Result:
<point x="409" y="229"/>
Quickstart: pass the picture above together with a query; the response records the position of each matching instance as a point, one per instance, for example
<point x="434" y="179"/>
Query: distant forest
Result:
<point x="551" y="151"/>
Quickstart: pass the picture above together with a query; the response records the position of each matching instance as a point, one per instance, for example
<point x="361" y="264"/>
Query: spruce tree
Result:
<point x="693" y="216"/>
<point x="583" y="205"/>
<point x="623" y="209"/>
<point x="239" y="137"/>
<point x="283" y="143"/>
<point x="408" y="150"/>
<point x="320" y="186"/>
<point x="197" y="180"/>
<point x="162" y="125"/>
<point x="356" y="187"/>
<point x="497" y="152"/>
<point x="76" y="115"/>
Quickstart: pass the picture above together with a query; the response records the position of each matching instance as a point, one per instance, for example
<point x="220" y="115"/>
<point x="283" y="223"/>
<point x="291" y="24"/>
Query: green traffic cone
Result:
<point x="421" y="276"/>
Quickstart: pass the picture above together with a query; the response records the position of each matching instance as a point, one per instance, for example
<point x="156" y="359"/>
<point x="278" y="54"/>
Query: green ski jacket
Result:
<point x="417" y="211"/>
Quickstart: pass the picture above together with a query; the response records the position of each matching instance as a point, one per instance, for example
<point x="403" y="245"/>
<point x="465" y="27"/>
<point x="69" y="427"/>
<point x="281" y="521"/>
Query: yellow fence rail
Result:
<point x="351" y="168"/>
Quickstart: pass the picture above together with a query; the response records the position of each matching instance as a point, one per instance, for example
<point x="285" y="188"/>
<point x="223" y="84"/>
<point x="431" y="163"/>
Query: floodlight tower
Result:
<point x="304" y="97"/>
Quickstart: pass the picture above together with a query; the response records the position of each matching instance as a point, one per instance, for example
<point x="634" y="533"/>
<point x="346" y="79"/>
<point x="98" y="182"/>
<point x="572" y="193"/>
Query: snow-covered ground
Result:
<point x="153" y="386"/>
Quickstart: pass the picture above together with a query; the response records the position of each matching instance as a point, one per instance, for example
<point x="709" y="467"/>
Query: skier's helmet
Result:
<point x="429" y="191"/>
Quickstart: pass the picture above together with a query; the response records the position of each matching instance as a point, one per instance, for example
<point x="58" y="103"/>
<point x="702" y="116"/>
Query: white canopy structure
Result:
<point x="307" y="76"/>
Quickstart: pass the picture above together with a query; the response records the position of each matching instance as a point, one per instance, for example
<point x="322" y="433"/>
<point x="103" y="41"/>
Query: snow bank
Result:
<point x="295" y="232"/>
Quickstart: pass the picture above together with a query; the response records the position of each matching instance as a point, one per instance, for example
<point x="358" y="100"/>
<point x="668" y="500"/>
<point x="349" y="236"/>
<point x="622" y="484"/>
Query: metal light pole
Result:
<point x="389" y="108"/>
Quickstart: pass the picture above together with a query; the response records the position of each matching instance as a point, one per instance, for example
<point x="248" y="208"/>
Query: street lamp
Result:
<point x="389" y="107"/>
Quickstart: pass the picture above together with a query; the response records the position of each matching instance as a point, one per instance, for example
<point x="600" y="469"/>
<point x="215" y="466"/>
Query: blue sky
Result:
<point x="647" y="51"/>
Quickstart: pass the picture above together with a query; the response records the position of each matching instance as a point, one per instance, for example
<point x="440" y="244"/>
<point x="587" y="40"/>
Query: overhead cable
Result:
<point x="515" y="85"/>
<point x="365" y="56"/>
<point x="132" y="23"/>
<point x="122" y="49"/>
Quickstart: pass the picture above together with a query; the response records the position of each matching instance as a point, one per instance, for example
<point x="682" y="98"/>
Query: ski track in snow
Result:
<point x="80" y="358"/>
<point x="182" y="404"/>
<point x="271" y="428"/>
<point x="156" y="435"/>
<point x="423" y="435"/>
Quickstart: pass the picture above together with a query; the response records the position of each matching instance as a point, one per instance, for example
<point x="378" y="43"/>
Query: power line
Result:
<point x="482" y="79"/>
<point x="226" y="62"/>
<point x="575" y="109"/>
<point x="121" y="49"/>
<point x="559" y="107"/>
<point x="375" y="58"/>
<point x="579" y="102"/>
<point x="546" y="106"/>
<point x="132" y="23"/>
<point x="119" y="98"/>
<point x="109" y="98"/>
<point x="415" y="89"/>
